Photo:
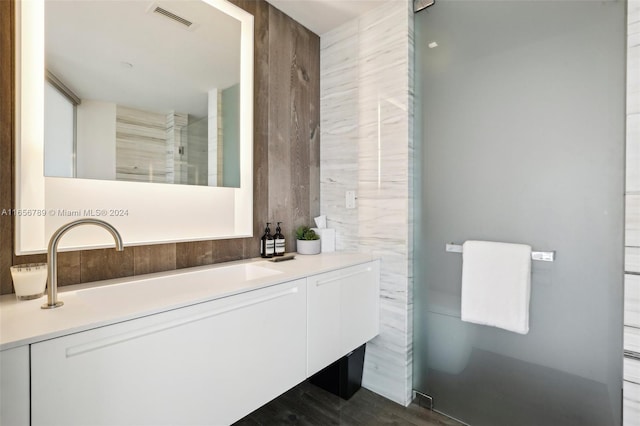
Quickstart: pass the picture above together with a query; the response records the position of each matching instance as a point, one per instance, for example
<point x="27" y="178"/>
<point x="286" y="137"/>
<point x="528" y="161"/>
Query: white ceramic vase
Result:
<point x="308" y="246"/>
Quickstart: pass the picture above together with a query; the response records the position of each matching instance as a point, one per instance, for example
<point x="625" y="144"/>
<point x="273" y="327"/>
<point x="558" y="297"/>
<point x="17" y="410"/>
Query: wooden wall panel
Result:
<point x="293" y="117"/>
<point x="314" y="128"/>
<point x="260" y="11"/>
<point x="6" y="142"/>
<point x="286" y="155"/>
<point x="280" y="133"/>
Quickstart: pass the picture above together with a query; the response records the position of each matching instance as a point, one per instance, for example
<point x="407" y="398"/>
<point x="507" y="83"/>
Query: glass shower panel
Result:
<point x="193" y="159"/>
<point x="520" y="138"/>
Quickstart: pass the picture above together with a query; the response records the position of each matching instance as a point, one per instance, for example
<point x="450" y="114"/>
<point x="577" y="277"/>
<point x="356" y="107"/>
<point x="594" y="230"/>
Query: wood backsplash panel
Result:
<point x="228" y="250"/>
<point x="194" y="253"/>
<point x="103" y="264"/>
<point x="155" y="258"/>
<point x="286" y="155"/>
<point x="69" y="271"/>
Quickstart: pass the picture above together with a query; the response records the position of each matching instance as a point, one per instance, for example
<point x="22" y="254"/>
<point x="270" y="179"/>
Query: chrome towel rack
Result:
<point x="544" y="256"/>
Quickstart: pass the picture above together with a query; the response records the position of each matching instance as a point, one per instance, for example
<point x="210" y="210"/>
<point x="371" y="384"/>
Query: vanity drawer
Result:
<point x="210" y="363"/>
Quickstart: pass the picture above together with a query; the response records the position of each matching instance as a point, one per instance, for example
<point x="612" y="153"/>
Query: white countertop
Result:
<point x="101" y="303"/>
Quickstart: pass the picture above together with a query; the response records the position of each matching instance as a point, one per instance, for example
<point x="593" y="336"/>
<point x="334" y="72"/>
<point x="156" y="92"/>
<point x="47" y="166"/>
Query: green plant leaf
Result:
<point x="306" y="233"/>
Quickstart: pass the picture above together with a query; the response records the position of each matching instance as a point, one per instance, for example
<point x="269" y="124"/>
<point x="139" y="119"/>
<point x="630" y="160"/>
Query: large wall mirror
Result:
<point x="139" y="112"/>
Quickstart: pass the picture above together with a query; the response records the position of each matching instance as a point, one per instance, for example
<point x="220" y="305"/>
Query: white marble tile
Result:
<point x="140" y="145"/>
<point x="631" y="389"/>
<point x="633" y="153"/>
<point x="632" y="370"/>
<point x="632" y="300"/>
<point x="632" y="259"/>
<point x="632" y="339"/>
<point x="365" y="106"/>
<point x="633" y="75"/>
<point x="632" y="227"/>
<point x="633" y="96"/>
<point x="633" y="11"/>
<point x="631" y="404"/>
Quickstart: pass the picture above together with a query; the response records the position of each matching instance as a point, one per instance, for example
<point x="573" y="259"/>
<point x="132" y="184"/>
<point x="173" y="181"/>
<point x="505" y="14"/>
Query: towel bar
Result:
<point x="545" y="256"/>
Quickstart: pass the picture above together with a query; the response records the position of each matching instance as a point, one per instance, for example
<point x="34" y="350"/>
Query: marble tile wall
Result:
<point x="631" y="390"/>
<point x="218" y="140"/>
<point x="214" y="138"/>
<point x="367" y="141"/>
<point x="148" y="147"/>
<point x="140" y="145"/>
<point x="170" y="148"/>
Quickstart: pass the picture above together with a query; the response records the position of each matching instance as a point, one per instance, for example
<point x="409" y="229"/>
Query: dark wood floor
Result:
<point x="307" y="404"/>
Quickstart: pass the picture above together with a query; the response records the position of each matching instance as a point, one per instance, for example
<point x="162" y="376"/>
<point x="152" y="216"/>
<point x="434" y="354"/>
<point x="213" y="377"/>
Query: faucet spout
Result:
<point x="52" y="256"/>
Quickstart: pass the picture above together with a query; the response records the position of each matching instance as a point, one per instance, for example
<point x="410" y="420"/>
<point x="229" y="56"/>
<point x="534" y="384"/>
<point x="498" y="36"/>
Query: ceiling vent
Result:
<point x="170" y="15"/>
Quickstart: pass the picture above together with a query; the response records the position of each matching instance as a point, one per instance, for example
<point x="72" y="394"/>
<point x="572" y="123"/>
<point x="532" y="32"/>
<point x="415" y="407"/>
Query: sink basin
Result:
<point x="176" y="286"/>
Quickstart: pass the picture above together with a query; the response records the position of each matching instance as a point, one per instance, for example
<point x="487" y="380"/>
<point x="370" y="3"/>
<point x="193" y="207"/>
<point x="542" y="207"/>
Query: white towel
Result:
<point x="496" y="284"/>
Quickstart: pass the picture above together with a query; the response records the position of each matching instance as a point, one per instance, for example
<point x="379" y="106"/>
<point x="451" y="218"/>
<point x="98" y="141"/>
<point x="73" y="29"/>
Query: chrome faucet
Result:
<point x="52" y="256"/>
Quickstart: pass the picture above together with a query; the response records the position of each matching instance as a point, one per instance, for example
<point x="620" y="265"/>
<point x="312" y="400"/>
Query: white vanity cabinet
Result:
<point x="14" y="386"/>
<point x="210" y="363"/>
<point x="342" y="312"/>
<point x="183" y="358"/>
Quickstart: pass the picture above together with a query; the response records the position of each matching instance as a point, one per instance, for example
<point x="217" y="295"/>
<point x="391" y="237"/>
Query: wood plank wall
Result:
<point x="6" y="139"/>
<point x="286" y="156"/>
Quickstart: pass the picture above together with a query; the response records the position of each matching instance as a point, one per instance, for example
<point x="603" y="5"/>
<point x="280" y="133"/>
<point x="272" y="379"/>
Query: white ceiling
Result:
<point x="89" y="45"/>
<point x="321" y="16"/>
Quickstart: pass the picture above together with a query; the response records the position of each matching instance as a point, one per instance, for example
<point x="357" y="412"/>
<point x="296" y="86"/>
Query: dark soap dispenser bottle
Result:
<point x="279" y="240"/>
<point x="267" y="243"/>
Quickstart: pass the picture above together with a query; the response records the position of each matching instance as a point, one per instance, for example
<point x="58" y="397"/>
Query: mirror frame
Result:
<point x="144" y="213"/>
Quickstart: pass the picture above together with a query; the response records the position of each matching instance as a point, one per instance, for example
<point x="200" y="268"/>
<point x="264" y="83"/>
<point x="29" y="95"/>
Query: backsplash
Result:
<point x="286" y="156"/>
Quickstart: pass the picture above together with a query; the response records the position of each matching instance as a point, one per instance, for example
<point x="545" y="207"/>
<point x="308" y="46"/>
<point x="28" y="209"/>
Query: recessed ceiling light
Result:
<point x="432" y="45"/>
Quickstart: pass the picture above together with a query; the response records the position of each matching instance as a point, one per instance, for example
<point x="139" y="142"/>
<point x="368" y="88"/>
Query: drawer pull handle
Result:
<point x="330" y="280"/>
<point x="125" y="337"/>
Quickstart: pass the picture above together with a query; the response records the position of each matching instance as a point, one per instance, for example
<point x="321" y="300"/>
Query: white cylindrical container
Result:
<point x="308" y="246"/>
<point x="29" y="280"/>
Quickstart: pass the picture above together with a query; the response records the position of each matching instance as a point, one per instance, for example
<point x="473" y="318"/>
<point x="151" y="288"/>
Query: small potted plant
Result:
<point x="308" y="242"/>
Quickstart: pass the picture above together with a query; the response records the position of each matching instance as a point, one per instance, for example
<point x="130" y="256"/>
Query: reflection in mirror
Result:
<point x="142" y="91"/>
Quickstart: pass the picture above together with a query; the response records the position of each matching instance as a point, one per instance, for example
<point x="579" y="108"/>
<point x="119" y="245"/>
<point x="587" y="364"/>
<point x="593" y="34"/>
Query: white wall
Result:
<point x="96" y="140"/>
<point x="366" y="112"/>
